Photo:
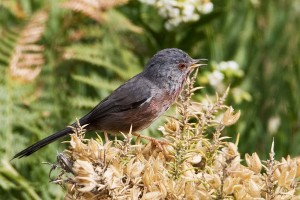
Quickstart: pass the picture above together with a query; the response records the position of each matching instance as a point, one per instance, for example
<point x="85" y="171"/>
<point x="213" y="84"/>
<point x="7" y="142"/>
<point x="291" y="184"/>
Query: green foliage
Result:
<point x="263" y="39"/>
<point x="86" y="56"/>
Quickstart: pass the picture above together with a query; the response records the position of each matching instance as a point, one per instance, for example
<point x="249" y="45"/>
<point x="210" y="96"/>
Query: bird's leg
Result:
<point x="156" y="142"/>
<point x="106" y="137"/>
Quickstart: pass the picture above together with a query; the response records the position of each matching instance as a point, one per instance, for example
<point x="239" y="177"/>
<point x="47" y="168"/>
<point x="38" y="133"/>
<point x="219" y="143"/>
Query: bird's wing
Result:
<point x="130" y="95"/>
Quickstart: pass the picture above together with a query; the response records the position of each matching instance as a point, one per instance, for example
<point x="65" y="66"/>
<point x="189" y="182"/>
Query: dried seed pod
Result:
<point x="253" y="162"/>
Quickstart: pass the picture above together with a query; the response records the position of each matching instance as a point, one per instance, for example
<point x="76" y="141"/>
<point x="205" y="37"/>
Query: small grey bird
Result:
<point x="138" y="102"/>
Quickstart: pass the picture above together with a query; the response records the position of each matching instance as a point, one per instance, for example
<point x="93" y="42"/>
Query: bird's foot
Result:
<point x="156" y="142"/>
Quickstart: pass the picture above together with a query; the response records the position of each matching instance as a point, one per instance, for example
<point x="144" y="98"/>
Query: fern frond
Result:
<point x="27" y="58"/>
<point x="121" y="23"/>
<point x="7" y="43"/>
<point x="92" y="8"/>
<point x="14" y="8"/>
<point x="84" y="102"/>
<point x="95" y="54"/>
<point x="97" y="82"/>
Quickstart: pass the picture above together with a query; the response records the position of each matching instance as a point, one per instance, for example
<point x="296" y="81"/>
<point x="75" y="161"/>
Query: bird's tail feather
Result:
<point x="33" y="148"/>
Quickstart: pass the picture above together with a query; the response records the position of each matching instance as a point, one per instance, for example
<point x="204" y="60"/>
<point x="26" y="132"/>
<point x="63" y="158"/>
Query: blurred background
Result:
<point x="58" y="59"/>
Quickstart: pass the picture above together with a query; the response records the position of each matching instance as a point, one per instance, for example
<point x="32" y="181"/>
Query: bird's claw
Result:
<point x="158" y="143"/>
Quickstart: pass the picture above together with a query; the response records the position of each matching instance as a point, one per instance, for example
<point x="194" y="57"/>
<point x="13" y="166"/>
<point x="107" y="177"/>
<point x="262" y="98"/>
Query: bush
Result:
<point x="194" y="162"/>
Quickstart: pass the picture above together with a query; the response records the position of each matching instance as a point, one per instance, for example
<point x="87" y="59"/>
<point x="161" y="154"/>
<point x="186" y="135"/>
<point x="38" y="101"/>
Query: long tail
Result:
<point x="33" y="148"/>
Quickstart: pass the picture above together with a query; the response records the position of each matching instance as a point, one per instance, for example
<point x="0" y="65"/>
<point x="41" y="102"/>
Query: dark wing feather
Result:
<point x="130" y="95"/>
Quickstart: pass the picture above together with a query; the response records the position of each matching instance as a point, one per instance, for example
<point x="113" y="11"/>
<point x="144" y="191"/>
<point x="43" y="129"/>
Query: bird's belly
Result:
<point x="139" y="118"/>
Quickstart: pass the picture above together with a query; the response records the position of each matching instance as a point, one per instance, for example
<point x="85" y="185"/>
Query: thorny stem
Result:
<point x="185" y="103"/>
<point x="79" y="129"/>
<point x="182" y="139"/>
<point x="210" y="112"/>
<point x="271" y="167"/>
<point x="176" y="171"/>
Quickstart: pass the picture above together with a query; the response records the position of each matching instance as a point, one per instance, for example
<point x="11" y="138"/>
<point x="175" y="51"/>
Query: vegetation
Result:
<point x="60" y="58"/>
<point x="190" y="164"/>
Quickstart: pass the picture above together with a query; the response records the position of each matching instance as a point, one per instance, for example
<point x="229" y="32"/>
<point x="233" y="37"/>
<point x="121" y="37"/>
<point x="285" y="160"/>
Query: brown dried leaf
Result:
<point x="27" y="59"/>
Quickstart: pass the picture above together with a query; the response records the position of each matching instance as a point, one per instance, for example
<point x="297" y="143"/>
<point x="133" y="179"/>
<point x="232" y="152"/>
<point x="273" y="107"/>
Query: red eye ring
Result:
<point x="182" y="66"/>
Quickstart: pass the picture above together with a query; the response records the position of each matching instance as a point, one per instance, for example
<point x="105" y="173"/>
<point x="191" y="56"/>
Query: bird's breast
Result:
<point x="140" y="117"/>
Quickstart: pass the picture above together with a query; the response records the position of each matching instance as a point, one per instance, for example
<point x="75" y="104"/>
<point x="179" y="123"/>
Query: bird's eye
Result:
<point x="182" y="66"/>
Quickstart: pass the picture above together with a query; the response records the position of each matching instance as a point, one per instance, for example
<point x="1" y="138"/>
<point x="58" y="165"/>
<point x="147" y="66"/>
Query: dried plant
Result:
<point x="27" y="59"/>
<point x="92" y="8"/>
<point x="190" y="166"/>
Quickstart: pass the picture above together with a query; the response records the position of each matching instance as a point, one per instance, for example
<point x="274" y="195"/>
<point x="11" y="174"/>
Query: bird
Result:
<point x="134" y="105"/>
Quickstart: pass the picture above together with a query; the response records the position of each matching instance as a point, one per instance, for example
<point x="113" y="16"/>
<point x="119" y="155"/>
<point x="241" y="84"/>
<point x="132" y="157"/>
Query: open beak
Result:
<point x="196" y="63"/>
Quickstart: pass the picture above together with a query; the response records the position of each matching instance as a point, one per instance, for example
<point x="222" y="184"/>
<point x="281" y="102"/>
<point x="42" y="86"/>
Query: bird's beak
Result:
<point x="196" y="63"/>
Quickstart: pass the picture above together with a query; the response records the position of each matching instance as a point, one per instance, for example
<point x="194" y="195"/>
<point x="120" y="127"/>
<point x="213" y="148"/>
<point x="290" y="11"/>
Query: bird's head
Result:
<point x="170" y="67"/>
